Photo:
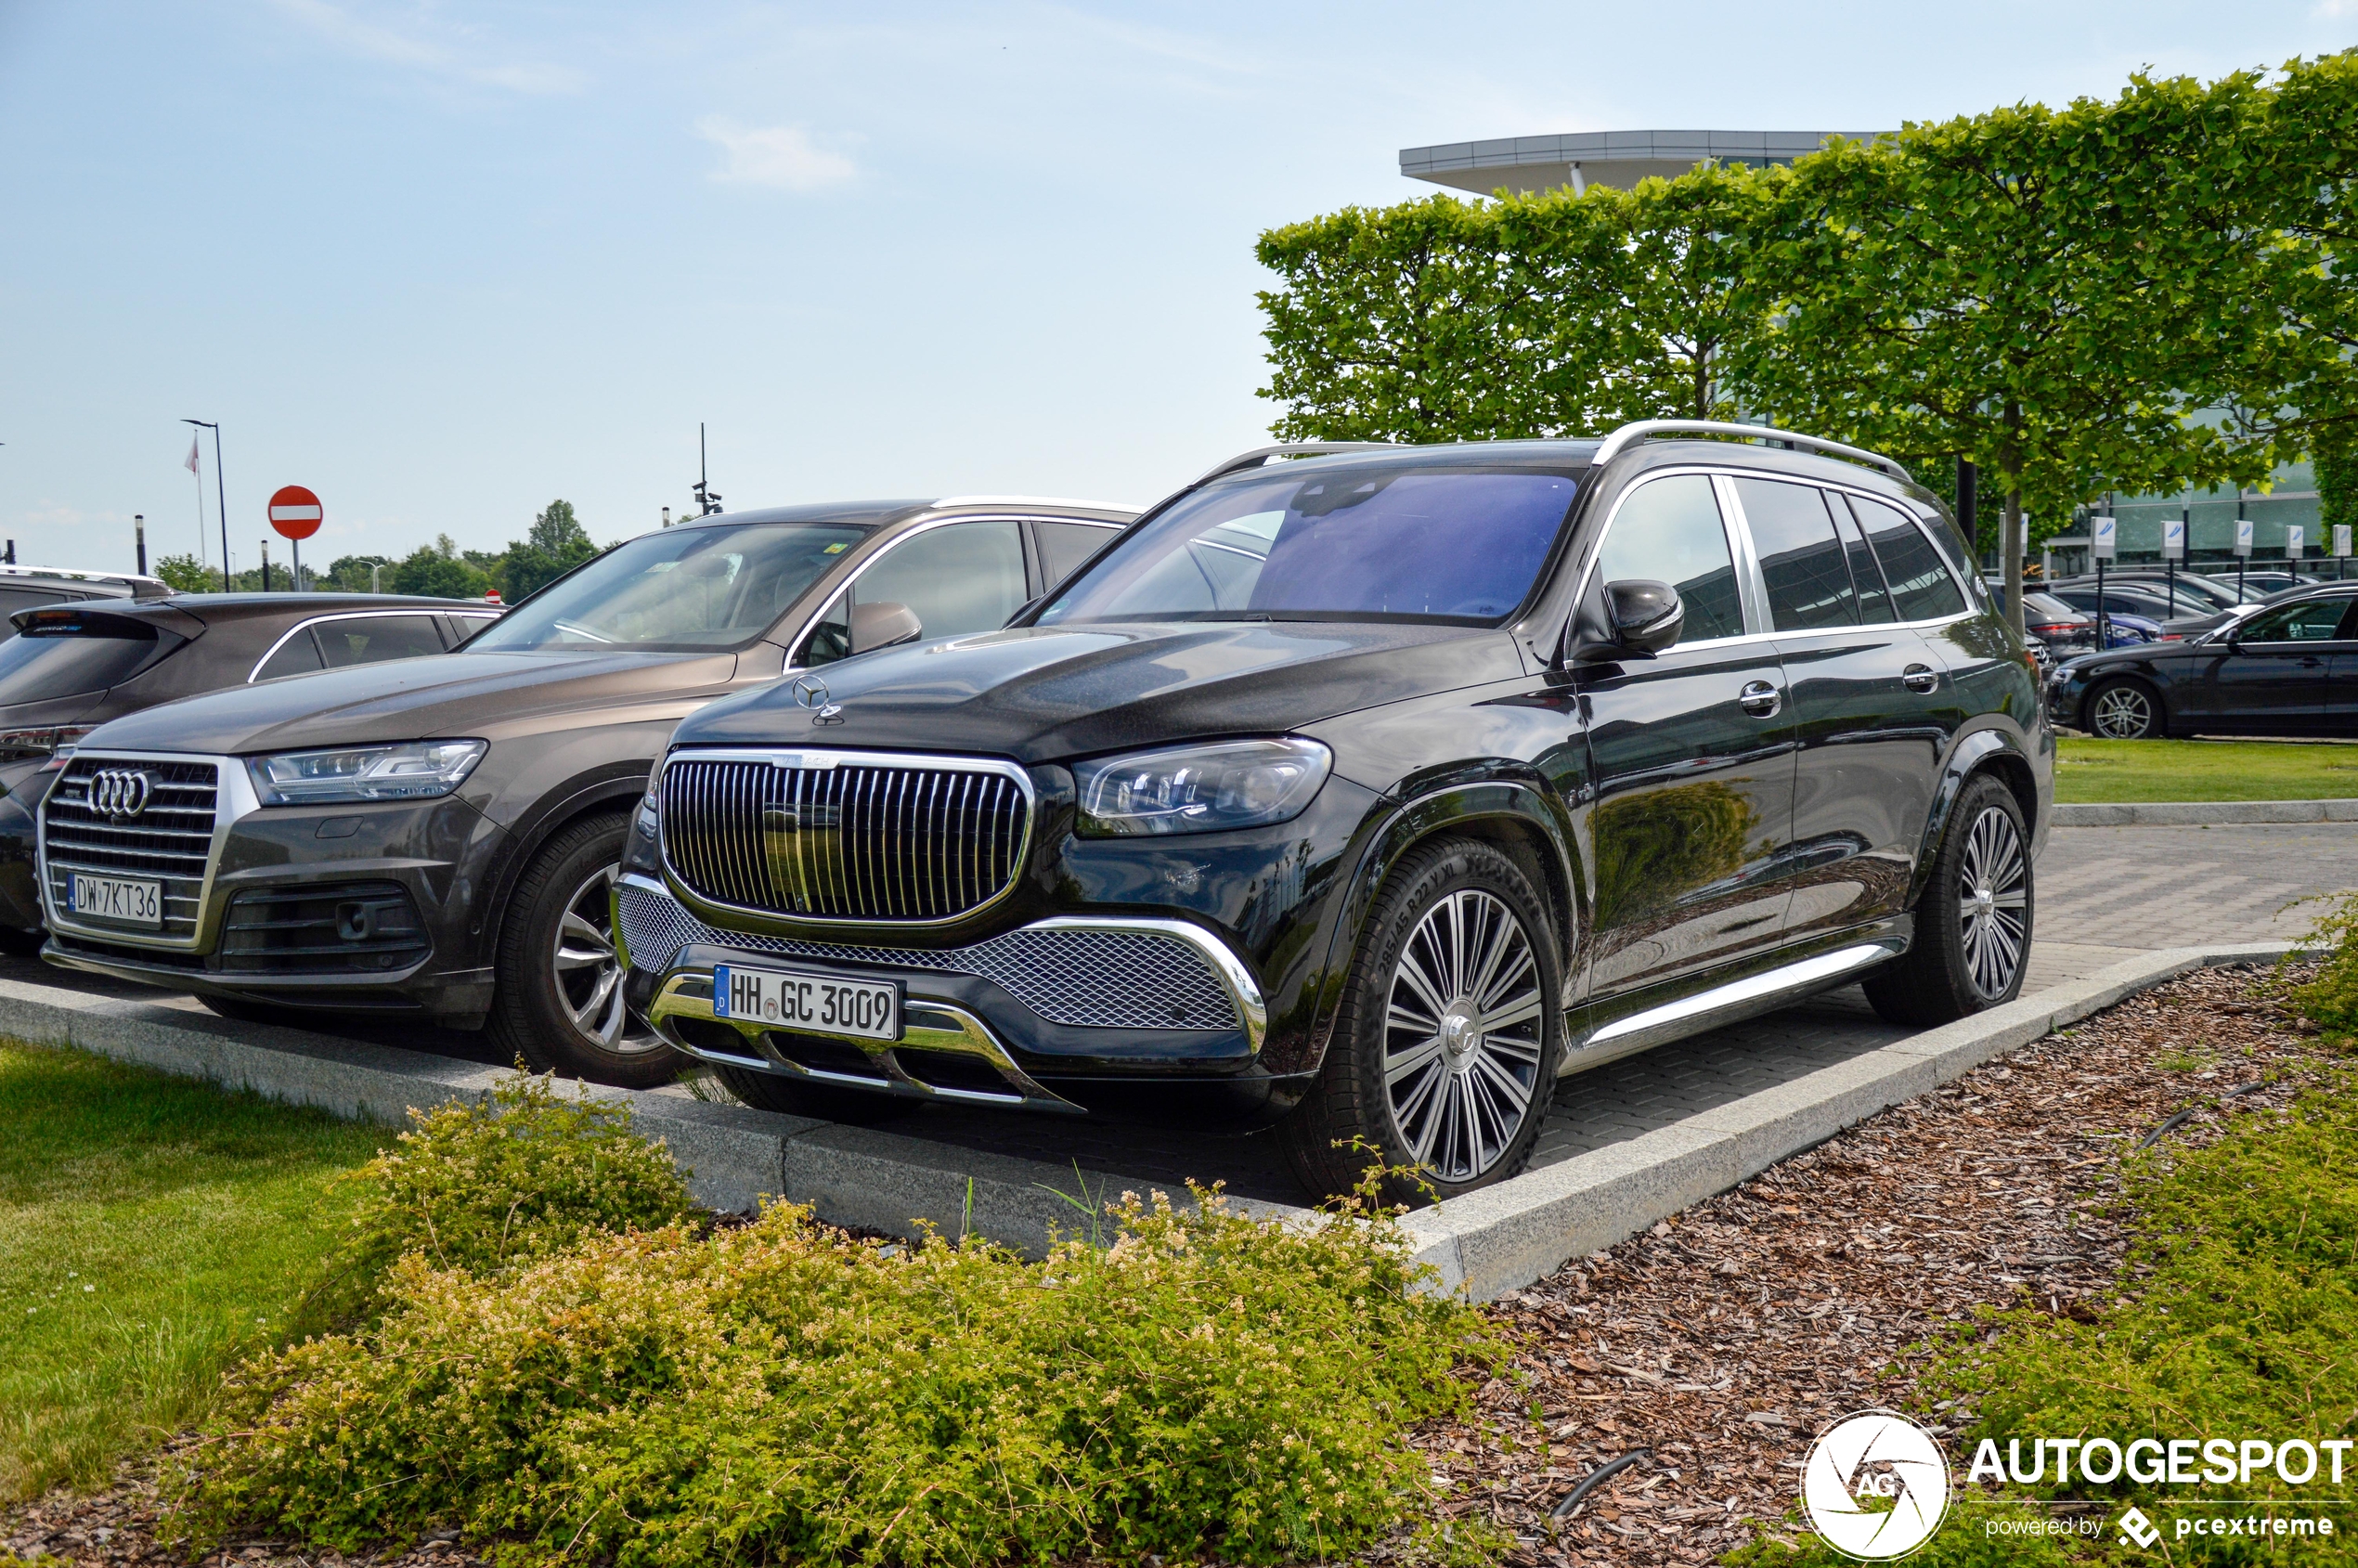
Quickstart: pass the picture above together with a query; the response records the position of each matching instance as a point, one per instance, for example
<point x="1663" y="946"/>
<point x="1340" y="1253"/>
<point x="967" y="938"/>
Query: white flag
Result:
<point x="192" y="464"/>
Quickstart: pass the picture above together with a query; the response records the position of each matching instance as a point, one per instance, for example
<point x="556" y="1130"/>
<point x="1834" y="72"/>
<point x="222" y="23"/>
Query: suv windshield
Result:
<point x="681" y="591"/>
<point x="1458" y="544"/>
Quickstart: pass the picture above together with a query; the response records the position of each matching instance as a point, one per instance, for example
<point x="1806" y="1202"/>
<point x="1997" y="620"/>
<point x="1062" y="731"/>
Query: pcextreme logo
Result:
<point x="1876" y="1485"/>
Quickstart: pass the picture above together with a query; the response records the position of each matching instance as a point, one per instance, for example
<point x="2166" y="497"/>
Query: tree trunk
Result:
<point x="2010" y="542"/>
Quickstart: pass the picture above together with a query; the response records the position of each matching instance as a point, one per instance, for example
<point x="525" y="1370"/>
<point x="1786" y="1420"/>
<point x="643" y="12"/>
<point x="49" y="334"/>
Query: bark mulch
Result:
<point x="1725" y="1339"/>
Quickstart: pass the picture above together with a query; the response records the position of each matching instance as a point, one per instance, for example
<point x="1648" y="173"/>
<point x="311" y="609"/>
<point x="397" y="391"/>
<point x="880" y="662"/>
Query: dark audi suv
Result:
<point x="437" y="837"/>
<point x="1371" y="791"/>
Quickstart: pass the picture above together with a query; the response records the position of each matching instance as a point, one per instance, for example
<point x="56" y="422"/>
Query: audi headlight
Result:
<point x="413" y="771"/>
<point x="1199" y="788"/>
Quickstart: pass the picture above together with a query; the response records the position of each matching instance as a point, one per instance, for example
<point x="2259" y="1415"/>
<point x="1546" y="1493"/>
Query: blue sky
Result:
<point x="443" y="261"/>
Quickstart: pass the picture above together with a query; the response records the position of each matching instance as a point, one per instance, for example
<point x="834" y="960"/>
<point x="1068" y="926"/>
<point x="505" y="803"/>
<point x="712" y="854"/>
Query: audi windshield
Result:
<point x="1450" y="544"/>
<point x="682" y="589"/>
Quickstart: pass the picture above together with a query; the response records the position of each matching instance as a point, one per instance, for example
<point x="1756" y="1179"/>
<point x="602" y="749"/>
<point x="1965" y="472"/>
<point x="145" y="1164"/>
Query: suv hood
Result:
<point x="1037" y="693"/>
<point x="438" y="696"/>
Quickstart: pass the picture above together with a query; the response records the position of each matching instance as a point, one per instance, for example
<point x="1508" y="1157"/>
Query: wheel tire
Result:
<point x="2125" y="708"/>
<point x="558" y="1004"/>
<point x="1969" y="952"/>
<point x="1468" y="1105"/>
<point x="794" y="1097"/>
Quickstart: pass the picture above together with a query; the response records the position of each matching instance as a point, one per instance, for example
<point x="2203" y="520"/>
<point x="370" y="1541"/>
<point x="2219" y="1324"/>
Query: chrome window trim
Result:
<point x="801" y="639"/>
<point x="288" y="635"/>
<point x="234" y="800"/>
<point x="821" y="757"/>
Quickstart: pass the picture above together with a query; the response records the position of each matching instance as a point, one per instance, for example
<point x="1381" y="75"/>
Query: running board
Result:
<point x="1729" y="1003"/>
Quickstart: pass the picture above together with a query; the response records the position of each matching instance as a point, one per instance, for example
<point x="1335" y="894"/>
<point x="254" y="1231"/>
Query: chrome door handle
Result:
<point x="1760" y="699"/>
<point x="1920" y="678"/>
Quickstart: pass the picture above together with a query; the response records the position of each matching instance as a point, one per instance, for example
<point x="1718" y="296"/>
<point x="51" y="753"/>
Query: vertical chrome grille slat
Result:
<point x="870" y="841"/>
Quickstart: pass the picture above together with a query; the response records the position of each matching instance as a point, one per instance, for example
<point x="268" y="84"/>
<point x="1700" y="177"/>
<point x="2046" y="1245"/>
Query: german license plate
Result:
<point x="122" y="898"/>
<point x="799" y="998"/>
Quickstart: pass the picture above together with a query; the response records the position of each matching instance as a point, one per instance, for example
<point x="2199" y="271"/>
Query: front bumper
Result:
<point x="363" y="907"/>
<point x="1066" y="1013"/>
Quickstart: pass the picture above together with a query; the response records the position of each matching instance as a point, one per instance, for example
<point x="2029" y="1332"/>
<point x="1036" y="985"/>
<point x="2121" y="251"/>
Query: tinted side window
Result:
<point x="1064" y="546"/>
<point x="1921" y="586"/>
<point x="960" y="580"/>
<point x="1809" y="585"/>
<point x="297" y="655"/>
<point x="1669" y="530"/>
<point x="2317" y="620"/>
<point x="1874" y="600"/>
<point x="372" y="638"/>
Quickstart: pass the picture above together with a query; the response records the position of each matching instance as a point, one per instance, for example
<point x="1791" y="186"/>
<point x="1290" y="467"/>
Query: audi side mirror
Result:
<point x="883" y="625"/>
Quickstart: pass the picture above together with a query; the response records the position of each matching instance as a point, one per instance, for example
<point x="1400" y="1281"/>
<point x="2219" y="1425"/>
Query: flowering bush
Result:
<point x="781" y="1391"/>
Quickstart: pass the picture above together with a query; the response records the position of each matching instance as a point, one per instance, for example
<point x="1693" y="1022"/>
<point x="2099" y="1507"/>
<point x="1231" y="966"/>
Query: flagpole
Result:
<point x="195" y="465"/>
<point x="221" y="493"/>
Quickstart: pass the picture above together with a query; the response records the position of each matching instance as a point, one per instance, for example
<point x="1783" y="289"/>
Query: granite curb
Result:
<point x="2220" y="813"/>
<point x="1483" y="1244"/>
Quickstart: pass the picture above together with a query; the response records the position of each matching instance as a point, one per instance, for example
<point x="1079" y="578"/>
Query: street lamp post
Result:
<point x="221" y="495"/>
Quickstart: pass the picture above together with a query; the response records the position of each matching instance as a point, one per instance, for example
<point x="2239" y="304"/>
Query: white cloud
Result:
<point x="362" y="37"/>
<point x="782" y="157"/>
<point x="2330" y="9"/>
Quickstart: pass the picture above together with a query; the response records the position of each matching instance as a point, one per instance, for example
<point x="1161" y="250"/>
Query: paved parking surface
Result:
<point x="2104" y="894"/>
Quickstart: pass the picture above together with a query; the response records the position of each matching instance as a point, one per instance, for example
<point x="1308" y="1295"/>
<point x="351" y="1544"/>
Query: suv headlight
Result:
<point x="413" y="771"/>
<point x="1199" y="788"/>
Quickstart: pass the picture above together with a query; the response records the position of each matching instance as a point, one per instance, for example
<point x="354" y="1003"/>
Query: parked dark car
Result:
<point x="2141" y="600"/>
<point x="437" y="838"/>
<point x="1366" y="793"/>
<point x="2066" y="629"/>
<point x="74" y="665"/>
<point x="39" y="588"/>
<point x="2181" y="592"/>
<point x="2290" y="668"/>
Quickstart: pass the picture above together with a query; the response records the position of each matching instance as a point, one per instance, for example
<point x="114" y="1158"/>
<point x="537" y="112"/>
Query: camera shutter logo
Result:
<point x="121" y="793"/>
<point x="1876" y="1485"/>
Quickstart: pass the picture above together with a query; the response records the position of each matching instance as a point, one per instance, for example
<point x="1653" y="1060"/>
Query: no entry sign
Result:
<point x="295" y="512"/>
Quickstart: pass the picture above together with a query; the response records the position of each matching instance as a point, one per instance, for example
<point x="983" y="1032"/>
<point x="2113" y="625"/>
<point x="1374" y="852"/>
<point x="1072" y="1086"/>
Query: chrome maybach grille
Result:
<point x="821" y="838"/>
<point x="144" y="818"/>
<point x="1084" y="978"/>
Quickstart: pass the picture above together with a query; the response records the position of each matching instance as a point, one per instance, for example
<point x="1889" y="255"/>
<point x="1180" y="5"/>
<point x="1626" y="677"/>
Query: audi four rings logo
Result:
<point x="811" y="693"/>
<point x="121" y="793"/>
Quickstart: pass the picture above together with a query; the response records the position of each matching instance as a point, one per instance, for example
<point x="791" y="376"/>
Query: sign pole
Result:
<point x="2104" y="539"/>
<point x="2173" y="549"/>
<point x="2243" y="541"/>
<point x="139" y="539"/>
<point x="2341" y="548"/>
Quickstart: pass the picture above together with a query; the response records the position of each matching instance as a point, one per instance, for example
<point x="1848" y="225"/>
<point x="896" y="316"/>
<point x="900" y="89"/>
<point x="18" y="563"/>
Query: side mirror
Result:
<point x="1632" y="618"/>
<point x="882" y="625"/>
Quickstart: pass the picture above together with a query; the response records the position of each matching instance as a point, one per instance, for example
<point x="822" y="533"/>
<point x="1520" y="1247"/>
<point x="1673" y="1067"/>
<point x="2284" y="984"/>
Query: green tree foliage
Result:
<point x="350" y="573"/>
<point x="556" y="545"/>
<point x="437" y="571"/>
<point x="185" y="574"/>
<point x="2066" y="297"/>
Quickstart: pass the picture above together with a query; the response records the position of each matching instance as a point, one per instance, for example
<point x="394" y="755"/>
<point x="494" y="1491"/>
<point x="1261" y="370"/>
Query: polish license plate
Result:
<point x="117" y="898"/>
<point x="798" y="999"/>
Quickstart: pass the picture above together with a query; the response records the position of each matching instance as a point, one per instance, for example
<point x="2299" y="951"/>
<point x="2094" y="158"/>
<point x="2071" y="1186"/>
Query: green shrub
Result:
<point x="779" y="1392"/>
<point x="2330" y="999"/>
<point x="482" y="1187"/>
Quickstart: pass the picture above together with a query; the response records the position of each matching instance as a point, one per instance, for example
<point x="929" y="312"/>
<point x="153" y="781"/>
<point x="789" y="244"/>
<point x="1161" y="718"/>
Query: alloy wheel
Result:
<point x="2124" y="713"/>
<point x="1993" y="898"/>
<point x="589" y="971"/>
<point x="1462" y="1033"/>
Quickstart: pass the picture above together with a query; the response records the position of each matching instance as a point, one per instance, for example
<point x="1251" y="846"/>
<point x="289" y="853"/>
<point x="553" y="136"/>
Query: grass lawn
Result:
<point x="2092" y="772"/>
<point x="149" y="1229"/>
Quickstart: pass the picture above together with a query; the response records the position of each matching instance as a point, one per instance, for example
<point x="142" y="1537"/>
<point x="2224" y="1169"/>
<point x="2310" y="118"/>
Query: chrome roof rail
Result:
<point x="1630" y="435"/>
<point x="1260" y="455"/>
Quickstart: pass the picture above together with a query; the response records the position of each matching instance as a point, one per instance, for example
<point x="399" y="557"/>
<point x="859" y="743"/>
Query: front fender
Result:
<point x="1501" y="810"/>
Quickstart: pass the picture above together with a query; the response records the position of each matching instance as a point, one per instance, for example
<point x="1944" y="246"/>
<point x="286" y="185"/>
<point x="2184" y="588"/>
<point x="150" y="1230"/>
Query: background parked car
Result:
<point x="2180" y="593"/>
<point x="439" y="838"/>
<point x="2065" y="630"/>
<point x="35" y="587"/>
<point x="2290" y="668"/>
<point x="73" y="665"/>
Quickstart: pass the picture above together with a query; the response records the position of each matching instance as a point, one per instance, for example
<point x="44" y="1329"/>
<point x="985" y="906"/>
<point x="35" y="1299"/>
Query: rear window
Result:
<point x="1921" y="585"/>
<point x="63" y="653"/>
<point x="1455" y="545"/>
